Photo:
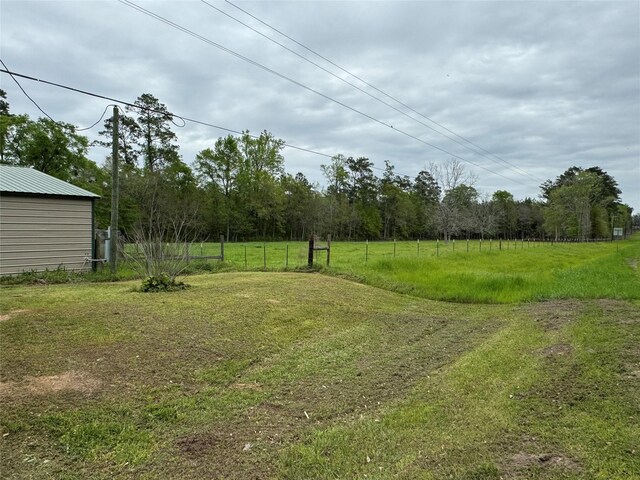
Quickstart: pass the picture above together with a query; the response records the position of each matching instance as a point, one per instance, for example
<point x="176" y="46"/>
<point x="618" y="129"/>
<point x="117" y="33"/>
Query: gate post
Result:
<point x="310" y="258"/>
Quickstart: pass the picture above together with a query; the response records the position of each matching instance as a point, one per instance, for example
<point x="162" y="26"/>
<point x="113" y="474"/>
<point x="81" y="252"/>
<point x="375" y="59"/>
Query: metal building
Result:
<point x="45" y="223"/>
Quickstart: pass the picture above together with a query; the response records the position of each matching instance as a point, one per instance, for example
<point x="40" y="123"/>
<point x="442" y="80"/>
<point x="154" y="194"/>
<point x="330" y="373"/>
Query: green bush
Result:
<point x="161" y="283"/>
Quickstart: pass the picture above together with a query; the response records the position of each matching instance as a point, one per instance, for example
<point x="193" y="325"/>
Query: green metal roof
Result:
<point x="28" y="180"/>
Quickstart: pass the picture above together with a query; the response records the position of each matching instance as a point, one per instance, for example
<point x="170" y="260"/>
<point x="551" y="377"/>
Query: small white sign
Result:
<point x="618" y="232"/>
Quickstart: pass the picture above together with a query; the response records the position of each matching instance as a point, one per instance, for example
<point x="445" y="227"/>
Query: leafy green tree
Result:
<point x="260" y="192"/>
<point x="219" y="167"/>
<point x="155" y="137"/>
<point x="337" y="194"/>
<point x="507" y="213"/>
<point x="361" y="187"/>
<point x="6" y="122"/>
<point x="129" y="135"/>
<point x="588" y="198"/>
<point x="50" y="147"/>
<point x="302" y="213"/>
<point x="530" y="219"/>
<point x="426" y="196"/>
<point x="395" y="204"/>
<point x="570" y="206"/>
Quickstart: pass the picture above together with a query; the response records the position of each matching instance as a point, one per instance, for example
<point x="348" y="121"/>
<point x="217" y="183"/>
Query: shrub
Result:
<point x="161" y="283"/>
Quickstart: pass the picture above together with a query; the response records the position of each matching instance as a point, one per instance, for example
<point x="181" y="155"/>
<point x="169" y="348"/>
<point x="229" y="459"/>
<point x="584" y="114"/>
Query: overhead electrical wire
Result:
<point x="25" y="93"/>
<point x="97" y="121"/>
<point x="378" y="99"/>
<point x="132" y="105"/>
<point x="506" y="162"/>
<point x="301" y="85"/>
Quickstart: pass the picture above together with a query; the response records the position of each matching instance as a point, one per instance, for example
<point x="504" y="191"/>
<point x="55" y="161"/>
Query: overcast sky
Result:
<point x="539" y="86"/>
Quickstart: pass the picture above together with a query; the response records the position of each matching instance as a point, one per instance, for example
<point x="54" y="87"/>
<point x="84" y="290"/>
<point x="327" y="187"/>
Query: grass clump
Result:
<point x="161" y="283"/>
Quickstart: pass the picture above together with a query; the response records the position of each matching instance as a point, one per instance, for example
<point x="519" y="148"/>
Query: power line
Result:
<point x="378" y="99"/>
<point x="97" y="121"/>
<point x="517" y="168"/>
<point x="301" y="85"/>
<point x="139" y="107"/>
<point x="25" y="93"/>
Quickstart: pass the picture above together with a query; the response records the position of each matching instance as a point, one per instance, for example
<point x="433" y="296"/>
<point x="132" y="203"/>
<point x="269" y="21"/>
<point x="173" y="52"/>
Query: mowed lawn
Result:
<point x="253" y="375"/>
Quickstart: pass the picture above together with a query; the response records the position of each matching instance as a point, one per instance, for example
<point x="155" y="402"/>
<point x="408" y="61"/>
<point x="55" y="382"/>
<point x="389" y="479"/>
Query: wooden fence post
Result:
<point x="310" y="258"/>
<point x="222" y="248"/>
<point x="328" y="248"/>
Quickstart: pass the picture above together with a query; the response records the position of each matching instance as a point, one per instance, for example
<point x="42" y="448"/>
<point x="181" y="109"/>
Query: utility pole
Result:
<point x="115" y="191"/>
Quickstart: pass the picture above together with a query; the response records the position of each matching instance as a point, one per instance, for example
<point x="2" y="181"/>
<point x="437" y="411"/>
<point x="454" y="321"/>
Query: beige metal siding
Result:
<point x="38" y="233"/>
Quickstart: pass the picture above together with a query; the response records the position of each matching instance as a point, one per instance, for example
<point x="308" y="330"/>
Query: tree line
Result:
<point x="239" y="187"/>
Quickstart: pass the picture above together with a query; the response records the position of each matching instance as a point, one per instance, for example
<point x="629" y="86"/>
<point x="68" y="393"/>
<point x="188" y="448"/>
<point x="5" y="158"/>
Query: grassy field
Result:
<point x="480" y="272"/>
<point x="253" y="375"/>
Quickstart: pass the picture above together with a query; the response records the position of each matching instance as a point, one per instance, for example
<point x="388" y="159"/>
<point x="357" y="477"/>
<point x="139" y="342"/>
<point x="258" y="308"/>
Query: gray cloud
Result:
<point x="544" y="85"/>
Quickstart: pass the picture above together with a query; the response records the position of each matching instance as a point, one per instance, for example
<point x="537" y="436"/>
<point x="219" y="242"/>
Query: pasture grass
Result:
<point x="292" y="376"/>
<point x="489" y="272"/>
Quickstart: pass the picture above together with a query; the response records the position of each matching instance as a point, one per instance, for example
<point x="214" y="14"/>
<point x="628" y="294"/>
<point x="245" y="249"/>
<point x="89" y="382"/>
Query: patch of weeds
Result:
<point x="100" y="435"/>
<point x="46" y="277"/>
<point x="487" y="471"/>
<point x="61" y="275"/>
<point x="160" y="413"/>
<point x="223" y="373"/>
<point x="161" y="283"/>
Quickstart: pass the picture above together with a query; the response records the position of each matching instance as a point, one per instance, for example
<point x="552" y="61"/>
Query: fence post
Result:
<point x="366" y="251"/>
<point x="418" y="247"/>
<point x="222" y="248"/>
<point x="264" y="255"/>
<point x="394" y="248"/>
<point x="453" y="249"/>
<point x="310" y="257"/>
<point x="480" y="246"/>
<point x="328" y="248"/>
<point x="467" y="245"/>
<point x="245" y="257"/>
<point x="286" y="257"/>
<point x="437" y="247"/>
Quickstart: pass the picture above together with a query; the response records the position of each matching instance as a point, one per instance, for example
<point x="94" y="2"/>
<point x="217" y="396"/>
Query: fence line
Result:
<point x="276" y="255"/>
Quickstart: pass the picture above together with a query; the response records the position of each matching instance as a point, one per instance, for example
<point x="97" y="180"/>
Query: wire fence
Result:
<point x="293" y="255"/>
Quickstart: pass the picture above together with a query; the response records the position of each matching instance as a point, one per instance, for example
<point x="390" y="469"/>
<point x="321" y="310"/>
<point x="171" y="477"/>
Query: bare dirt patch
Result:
<point x="558" y="350"/>
<point x="623" y="312"/>
<point x="224" y="454"/>
<point x="247" y="386"/>
<point x="633" y="263"/>
<point x="525" y="460"/>
<point x="554" y="315"/>
<point x="634" y="374"/>
<point x="9" y="316"/>
<point x="74" y="381"/>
